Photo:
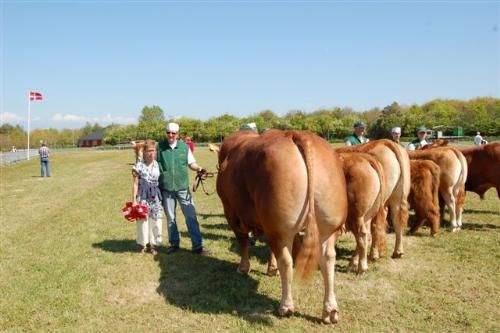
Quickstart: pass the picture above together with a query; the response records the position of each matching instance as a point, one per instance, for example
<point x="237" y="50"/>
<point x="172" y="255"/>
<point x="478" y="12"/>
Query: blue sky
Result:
<point x="105" y="60"/>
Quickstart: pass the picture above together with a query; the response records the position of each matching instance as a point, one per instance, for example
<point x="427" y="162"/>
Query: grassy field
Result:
<point x="69" y="264"/>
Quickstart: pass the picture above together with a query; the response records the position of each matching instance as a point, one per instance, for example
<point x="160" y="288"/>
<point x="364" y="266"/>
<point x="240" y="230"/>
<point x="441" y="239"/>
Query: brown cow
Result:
<point x="280" y="183"/>
<point x="452" y="178"/>
<point x="424" y="194"/>
<point x="484" y="165"/>
<point x="434" y="144"/>
<point x="365" y="193"/>
<point x="396" y="166"/>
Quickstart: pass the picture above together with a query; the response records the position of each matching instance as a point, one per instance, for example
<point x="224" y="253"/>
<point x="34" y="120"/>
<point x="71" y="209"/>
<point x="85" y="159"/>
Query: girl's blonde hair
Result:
<point x="148" y="144"/>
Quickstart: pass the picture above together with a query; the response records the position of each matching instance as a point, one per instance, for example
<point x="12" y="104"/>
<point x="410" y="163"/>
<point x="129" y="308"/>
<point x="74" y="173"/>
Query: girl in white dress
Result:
<point x="146" y="192"/>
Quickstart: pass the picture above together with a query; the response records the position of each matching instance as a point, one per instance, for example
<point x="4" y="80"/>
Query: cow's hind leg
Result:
<point x="378" y="229"/>
<point x="460" y="206"/>
<point x="244" y="266"/>
<point x="327" y="264"/>
<point x="359" y="259"/>
<point x="398" y="229"/>
<point x="272" y="265"/>
<point x="283" y="251"/>
<point x="450" y="201"/>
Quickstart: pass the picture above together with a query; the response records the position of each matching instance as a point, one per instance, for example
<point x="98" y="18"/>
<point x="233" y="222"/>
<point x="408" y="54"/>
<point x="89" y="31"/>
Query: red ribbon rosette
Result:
<point x="132" y="213"/>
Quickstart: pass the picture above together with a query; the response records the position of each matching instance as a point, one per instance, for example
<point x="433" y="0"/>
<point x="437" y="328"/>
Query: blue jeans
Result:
<point x="185" y="199"/>
<point x="44" y="164"/>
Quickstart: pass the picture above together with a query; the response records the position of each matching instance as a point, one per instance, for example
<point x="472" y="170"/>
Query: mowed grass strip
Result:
<point x="69" y="263"/>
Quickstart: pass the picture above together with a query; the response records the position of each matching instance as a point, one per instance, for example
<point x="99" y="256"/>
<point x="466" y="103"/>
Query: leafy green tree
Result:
<point x="153" y="114"/>
<point x="12" y="136"/>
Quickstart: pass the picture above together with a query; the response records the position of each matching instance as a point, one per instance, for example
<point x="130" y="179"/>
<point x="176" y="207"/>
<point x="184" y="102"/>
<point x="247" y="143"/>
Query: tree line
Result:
<point x="478" y="114"/>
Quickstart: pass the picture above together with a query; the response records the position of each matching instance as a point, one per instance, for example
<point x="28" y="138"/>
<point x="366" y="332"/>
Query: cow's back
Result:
<point x="264" y="178"/>
<point x="483" y="163"/>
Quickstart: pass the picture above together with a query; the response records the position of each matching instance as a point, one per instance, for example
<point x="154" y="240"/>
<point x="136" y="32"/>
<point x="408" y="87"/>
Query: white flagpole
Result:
<point x="29" y="115"/>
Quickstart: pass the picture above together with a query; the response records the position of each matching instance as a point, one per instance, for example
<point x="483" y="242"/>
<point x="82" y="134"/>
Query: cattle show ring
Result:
<point x="302" y="236"/>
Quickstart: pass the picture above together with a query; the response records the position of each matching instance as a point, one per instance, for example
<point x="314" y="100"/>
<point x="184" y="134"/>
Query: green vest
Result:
<point x="354" y="140"/>
<point x="173" y="166"/>
<point x="416" y="143"/>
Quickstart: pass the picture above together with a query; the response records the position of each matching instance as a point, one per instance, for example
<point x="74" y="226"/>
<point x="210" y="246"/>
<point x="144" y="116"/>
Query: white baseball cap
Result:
<point x="396" y="130"/>
<point x="172" y="127"/>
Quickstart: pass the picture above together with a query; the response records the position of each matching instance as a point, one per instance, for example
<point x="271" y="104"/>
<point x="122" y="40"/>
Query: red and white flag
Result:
<point x="35" y="96"/>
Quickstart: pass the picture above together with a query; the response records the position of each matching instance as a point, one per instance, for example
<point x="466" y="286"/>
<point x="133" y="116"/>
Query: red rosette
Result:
<point x="141" y="211"/>
<point x="132" y="213"/>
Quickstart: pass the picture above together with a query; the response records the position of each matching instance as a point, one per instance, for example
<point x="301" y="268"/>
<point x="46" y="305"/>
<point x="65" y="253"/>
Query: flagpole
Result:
<point x="29" y="115"/>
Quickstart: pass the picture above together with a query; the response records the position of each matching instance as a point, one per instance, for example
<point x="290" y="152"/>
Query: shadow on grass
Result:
<point x="117" y="245"/>
<point x="208" y="216"/>
<point x="218" y="226"/>
<point x="206" y="284"/>
<point x="206" y="235"/>
<point x="479" y="211"/>
<point x="479" y="226"/>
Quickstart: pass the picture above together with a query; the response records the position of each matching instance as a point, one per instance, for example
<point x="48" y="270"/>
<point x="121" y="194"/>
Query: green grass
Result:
<point x="68" y="263"/>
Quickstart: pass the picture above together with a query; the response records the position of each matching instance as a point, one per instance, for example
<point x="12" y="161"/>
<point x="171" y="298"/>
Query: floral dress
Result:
<point x="149" y="193"/>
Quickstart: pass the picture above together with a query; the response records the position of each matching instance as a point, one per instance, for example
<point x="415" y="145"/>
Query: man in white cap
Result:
<point x="396" y="135"/>
<point x="478" y="139"/>
<point x="174" y="157"/>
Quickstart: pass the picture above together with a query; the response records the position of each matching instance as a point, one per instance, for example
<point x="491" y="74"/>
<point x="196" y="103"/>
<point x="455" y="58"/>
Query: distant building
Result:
<point x="92" y="140"/>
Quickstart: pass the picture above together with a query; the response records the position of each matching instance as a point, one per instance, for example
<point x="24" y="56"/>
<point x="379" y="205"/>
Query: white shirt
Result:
<point x="478" y="139"/>
<point x="411" y="146"/>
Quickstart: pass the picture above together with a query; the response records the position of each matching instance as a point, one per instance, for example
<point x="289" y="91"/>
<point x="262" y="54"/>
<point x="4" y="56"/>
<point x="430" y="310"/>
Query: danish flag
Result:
<point x="35" y="96"/>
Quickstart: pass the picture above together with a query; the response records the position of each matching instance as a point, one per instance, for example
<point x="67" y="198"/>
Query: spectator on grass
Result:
<point x="44" y="153"/>
<point x="358" y="136"/>
<point x="189" y="142"/>
<point x="396" y="135"/>
<point x="146" y="192"/>
<point x="478" y="139"/>
<point x="420" y="141"/>
<point x="174" y="158"/>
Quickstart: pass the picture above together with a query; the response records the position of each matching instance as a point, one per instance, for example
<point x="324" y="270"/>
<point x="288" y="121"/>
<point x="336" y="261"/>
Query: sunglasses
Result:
<point x="171" y="132"/>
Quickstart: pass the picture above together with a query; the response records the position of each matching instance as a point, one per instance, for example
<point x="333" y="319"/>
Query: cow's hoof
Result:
<point x="286" y="311"/>
<point x="397" y="255"/>
<point x="362" y="269"/>
<point x="330" y="317"/>
<point x="243" y="270"/>
<point x="374" y="254"/>
<point x="272" y="271"/>
<point x="353" y="266"/>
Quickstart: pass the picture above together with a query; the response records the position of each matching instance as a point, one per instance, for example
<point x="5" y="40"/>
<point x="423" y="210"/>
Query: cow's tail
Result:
<point x="308" y="257"/>
<point x="379" y="222"/>
<point x="436" y="176"/>
<point x="403" y="186"/>
<point x="463" y="177"/>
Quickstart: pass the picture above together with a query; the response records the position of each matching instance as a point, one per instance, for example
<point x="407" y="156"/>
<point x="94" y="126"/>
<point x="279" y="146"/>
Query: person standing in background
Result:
<point x="358" y="137"/>
<point x="420" y="141"/>
<point x="44" y="153"/>
<point x="396" y="135"/>
<point x="189" y="142"/>
<point x="478" y="139"/>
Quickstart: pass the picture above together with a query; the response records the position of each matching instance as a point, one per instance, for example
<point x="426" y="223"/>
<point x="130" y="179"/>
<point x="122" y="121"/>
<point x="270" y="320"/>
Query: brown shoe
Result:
<point x="154" y="252"/>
